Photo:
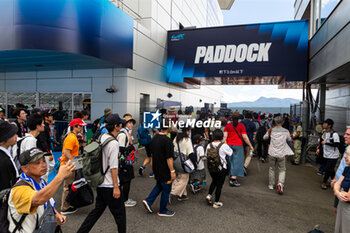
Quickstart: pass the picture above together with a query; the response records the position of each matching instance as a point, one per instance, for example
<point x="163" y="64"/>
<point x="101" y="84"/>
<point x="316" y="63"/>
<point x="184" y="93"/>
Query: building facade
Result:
<point x="131" y="90"/>
<point x="329" y="56"/>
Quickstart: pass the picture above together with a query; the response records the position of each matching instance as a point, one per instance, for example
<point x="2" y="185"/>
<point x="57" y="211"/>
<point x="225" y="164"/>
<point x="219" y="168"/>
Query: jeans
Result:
<point x="218" y="180"/>
<point x="105" y="198"/>
<point x="161" y="187"/>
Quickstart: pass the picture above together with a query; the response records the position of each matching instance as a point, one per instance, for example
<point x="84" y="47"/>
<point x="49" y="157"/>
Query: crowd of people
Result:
<point x="179" y="158"/>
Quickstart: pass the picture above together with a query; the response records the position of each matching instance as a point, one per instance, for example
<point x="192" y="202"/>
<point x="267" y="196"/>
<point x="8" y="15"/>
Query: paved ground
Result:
<point x="249" y="208"/>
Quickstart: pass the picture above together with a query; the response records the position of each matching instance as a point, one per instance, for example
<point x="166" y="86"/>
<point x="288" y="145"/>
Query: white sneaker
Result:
<point x="208" y="198"/>
<point x="130" y="203"/>
<point x="270" y="186"/>
<point x="217" y="205"/>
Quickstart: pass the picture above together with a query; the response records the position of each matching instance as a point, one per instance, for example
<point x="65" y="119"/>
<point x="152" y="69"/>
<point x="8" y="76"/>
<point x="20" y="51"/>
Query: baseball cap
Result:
<point x="2" y="110"/>
<point x="77" y="121"/>
<point x="114" y="119"/>
<point x="329" y="121"/>
<point x="295" y="119"/>
<point x="31" y="155"/>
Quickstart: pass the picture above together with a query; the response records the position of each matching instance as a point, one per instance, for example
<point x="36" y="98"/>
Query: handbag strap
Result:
<point x="238" y="133"/>
<point x="178" y="148"/>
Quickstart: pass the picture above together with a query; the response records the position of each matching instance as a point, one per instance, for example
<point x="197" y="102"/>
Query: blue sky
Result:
<point x="259" y="11"/>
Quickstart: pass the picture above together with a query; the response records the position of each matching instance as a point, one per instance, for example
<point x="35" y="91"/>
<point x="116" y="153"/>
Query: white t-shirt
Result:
<point x="28" y="142"/>
<point x="109" y="157"/>
<point x="224" y="151"/>
<point x="200" y="157"/>
<point x="330" y="152"/>
<point x="123" y="138"/>
<point x="185" y="146"/>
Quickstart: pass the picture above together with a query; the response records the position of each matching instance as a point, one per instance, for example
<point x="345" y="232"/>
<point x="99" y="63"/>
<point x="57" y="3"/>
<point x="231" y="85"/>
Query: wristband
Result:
<point x="173" y="171"/>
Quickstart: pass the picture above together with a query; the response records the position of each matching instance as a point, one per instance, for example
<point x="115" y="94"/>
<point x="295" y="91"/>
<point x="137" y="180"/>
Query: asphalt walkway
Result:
<point x="249" y="208"/>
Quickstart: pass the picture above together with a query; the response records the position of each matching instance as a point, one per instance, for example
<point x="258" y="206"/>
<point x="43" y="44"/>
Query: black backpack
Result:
<point x="95" y="125"/>
<point x="194" y="158"/>
<point x="342" y="144"/>
<point x="64" y="135"/>
<point x="97" y="134"/>
<point x="261" y="131"/>
<point x="4" y="196"/>
<point x="213" y="158"/>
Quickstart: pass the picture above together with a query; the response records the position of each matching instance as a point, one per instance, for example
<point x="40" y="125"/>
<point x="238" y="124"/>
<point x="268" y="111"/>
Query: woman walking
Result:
<point x="234" y="136"/>
<point x="183" y="142"/>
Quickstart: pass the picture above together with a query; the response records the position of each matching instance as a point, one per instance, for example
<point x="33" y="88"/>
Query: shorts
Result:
<point x="148" y="150"/>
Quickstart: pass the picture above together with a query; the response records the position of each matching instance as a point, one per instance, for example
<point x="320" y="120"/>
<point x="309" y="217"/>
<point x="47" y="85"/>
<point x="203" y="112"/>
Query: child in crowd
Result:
<point x="217" y="152"/>
<point x="198" y="177"/>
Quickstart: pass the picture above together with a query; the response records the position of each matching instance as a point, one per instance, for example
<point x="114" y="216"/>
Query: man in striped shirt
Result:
<point x="278" y="150"/>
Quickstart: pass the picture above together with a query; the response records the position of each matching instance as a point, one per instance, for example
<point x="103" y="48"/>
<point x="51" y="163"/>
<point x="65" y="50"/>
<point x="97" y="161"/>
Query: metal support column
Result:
<point x="322" y="102"/>
<point x="305" y="121"/>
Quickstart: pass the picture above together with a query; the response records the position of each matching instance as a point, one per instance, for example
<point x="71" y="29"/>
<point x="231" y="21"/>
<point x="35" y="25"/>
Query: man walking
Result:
<point x="162" y="162"/>
<point x="297" y="142"/>
<point x="263" y="145"/>
<point x="69" y="151"/>
<point x="278" y="150"/>
<point x="108" y="193"/>
<point x="251" y="132"/>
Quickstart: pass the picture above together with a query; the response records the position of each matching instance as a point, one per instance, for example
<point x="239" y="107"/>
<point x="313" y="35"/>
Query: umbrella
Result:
<point x="167" y="104"/>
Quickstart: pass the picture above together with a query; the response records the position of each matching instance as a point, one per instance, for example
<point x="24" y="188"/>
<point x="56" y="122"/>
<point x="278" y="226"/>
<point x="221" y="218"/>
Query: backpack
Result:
<point x="4" y="197"/>
<point x="18" y="152"/>
<point x="342" y="144"/>
<point x="92" y="162"/>
<point x="95" y="125"/>
<point x="261" y="131"/>
<point x="143" y="136"/>
<point x="129" y="155"/>
<point x="194" y="158"/>
<point x="213" y="158"/>
<point x="64" y="135"/>
<point x="97" y="134"/>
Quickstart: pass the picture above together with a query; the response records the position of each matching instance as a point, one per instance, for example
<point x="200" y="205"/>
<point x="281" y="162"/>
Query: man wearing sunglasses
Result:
<point x="69" y="151"/>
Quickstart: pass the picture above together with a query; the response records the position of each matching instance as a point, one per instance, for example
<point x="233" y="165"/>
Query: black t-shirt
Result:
<point x="162" y="148"/>
<point x="345" y="184"/>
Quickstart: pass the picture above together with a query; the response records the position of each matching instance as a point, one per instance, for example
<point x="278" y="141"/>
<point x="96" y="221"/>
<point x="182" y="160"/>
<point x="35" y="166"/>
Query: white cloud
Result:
<point x="325" y="2"/>
<point x="241" y="93"/>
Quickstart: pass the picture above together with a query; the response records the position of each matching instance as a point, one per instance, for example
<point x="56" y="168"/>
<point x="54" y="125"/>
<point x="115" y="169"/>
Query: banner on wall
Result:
<point x="267" y="49"/>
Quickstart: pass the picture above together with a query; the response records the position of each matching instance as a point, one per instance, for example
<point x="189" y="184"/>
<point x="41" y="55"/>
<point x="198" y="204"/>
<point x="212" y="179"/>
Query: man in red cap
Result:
<point x="69" y="151"/>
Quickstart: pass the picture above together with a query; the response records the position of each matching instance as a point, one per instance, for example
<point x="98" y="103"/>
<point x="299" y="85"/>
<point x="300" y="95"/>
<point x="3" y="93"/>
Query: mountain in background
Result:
<point x="263" y="102"/>
<point x="268" y="105"/>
